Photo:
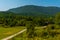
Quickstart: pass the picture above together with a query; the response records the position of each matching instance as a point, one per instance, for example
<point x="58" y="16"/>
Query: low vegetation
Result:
<point x="5" y="32"/>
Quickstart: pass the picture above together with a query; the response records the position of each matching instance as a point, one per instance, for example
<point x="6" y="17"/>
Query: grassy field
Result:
<point x="41" y="34"/>
<point x="5" y="32"/>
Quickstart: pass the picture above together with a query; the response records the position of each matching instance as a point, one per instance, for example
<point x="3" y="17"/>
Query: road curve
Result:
<point x="9" y="37"/>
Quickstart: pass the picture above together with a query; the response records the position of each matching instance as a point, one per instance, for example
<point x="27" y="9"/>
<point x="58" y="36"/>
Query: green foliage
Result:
<point x="57" y="19"/>
<point x="30" y="30"/>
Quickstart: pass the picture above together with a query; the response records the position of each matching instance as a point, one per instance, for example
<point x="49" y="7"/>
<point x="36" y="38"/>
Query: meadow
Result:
<point x="5" y="32"/>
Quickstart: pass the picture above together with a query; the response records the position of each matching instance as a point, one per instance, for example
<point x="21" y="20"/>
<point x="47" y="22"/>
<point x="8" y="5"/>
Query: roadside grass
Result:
<point x="22" y="36"/>
<point x="41" y="34"/>
<point x="5" y="32"/>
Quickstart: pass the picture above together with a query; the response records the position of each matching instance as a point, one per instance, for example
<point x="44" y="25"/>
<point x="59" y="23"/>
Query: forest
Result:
<point x="12" y="19"/>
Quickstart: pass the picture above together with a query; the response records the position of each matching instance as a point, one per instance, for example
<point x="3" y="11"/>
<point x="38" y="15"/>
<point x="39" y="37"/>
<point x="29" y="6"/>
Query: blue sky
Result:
<point x="8" y="4"/>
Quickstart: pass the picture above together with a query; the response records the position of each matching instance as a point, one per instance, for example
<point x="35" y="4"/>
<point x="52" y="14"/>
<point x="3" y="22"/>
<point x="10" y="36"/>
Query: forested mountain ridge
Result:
<point x="35" y="10"/>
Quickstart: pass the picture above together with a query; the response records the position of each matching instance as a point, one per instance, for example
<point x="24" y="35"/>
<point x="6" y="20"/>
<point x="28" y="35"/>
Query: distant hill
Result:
<point x="35" y="10"/>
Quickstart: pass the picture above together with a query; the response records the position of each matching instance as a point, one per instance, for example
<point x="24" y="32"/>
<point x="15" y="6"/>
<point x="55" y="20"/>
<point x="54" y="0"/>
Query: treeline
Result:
<point x="11" y="19"/>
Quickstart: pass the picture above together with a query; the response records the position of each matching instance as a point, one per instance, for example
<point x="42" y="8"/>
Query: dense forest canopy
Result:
<point x="12" y="19"/>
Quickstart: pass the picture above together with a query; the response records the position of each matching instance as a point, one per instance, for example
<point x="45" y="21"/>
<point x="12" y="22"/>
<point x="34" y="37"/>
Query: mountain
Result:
<point x="35" y="10"/>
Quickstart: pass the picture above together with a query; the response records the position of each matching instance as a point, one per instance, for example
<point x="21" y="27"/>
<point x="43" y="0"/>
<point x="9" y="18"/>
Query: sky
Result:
<point x="8" y="4"/>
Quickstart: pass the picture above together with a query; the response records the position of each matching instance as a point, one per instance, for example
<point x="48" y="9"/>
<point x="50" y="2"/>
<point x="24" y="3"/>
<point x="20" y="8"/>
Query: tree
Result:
<point x="57" y="18"/>
<point x="30" y="30"/>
